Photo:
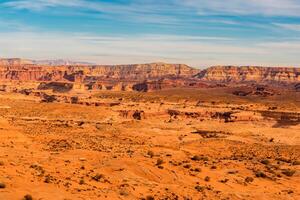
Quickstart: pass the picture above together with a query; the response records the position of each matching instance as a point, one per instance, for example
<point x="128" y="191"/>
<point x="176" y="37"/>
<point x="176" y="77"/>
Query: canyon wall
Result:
<point x="249" y="73"/>
<point x="142" y="77"/>
<point x="118" y="72"/>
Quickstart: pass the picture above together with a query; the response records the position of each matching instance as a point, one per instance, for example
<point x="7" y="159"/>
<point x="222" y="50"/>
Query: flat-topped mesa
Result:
<point x="137" y="72"/>
<point x="144" y="71"/>
<point x="250" y="74"/>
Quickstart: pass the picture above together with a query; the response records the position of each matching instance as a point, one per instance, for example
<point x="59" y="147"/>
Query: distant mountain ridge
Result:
<point x="56" y="62"/>
<point x="62" y="70"/>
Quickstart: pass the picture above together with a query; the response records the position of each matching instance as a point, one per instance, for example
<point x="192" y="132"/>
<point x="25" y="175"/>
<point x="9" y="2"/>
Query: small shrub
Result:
<point x="81" y="182"/>
<point x="2" y="185"/>
<point x="289" y="172"/>
<point x="260" y="174"/>
<point x="249" y="179"/>
<point x="265" y="162"/>
<point x="149" y="197"/>
<point x="296" y="162"/>
<point x="199" y="188"/>
<point x="27" y="197"/>
<point x="207" y="178"/>
<point x="213" y="167"/>
<point x="187" y="166"/>
<point x="97" y="177"/>
<point x="47" y="179"/>
<point x="160" y="167"/>
<point x="197" y="170"/>
<point x="224" y="180"/>
<point x="196" y="158"/>
<point x="150" y="154"/>
<point x="159" y="161"/>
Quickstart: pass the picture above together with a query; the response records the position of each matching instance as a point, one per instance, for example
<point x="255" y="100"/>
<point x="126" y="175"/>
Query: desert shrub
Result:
<point x="187" y="166"/>
<point x="150" y="154"/>
<point x="207" y="178"/>
<point x="288" y="172"/>
<point x="198" y="158"/>
<point x="260" y="174"/>
<point x="249" y="179"/>
<point x="265" y="162"/>
<point x="81" y="182"/>
<point x="27" y="197"/>
<point x="159" y="161"/>
<point x="98" y="177"/>
<point x="296" y="162"/>
<point x="2" y="185"/>
<point x="199" y="188"/>
<point x="149" y="197"/>
<point x="197" y="170"/>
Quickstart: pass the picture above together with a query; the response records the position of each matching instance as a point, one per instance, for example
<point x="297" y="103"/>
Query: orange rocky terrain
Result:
<point x="154" y="131"/>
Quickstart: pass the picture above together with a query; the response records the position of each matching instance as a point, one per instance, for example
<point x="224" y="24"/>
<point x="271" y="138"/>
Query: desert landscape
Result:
<point x="148" y="131"/>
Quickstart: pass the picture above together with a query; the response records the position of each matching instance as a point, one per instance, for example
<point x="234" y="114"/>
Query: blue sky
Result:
<point x="196" y="32"/>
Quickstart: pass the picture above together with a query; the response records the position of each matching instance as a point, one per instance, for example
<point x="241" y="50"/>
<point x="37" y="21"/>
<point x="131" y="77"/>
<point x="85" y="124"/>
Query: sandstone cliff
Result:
<point x="118" y="72"/>
<point x="249" y="73"/>
<point x="142" y="77"/>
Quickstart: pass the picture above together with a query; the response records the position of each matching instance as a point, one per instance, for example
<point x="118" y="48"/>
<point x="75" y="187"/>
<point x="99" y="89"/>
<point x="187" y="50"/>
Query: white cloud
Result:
<point x="246" y="7"/>
<point x="144" y="7"/>
<point x="195" y="51"/>
<point x="293" y="27"/>
<point x="41" y="4"/>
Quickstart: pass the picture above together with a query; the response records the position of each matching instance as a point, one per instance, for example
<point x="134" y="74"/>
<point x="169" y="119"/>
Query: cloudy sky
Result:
<point x="196" y="32"/>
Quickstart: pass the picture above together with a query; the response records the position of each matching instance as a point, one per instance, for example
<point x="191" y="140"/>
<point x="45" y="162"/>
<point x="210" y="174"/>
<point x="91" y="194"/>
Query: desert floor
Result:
<point x="67" y="151"/>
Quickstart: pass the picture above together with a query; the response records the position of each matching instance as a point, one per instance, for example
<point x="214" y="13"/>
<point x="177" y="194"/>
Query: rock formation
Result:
<point x="249" y="73"/>
<point x="142" y="77"/>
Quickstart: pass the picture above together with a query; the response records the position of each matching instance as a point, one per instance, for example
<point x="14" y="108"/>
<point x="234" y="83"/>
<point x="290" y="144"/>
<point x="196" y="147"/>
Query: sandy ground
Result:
<point x="64" y="151"/>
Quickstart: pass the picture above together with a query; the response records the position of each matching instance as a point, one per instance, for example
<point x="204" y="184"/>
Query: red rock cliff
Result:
<point x="248" y="73"/>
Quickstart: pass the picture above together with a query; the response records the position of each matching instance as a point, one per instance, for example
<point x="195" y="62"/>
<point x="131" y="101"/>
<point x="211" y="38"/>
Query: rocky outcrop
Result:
<point x="262" y="91"/>
<point x="250" y="74"/>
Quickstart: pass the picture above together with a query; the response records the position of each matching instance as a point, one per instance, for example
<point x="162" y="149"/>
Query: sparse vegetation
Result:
<point x="265" y="162"/>
<point x="207" y="178"/>
<point x="199" y="188"/>
<point x="27" y="197"/>
<point x="47" y="179"/>
<point x="296" y="162"/>
<point x="159" y="162"/>
<point x="2" y="185"/>
<point x="150" y="154"/>
<point x="260" y="174"/>
<point x="213" y="167"/>
<point x="81" y="182"/>
<point x="249" y="179"/>
<point x="149" y="197"/>
<point x="196" y="158"/>
<point x="288" y="172"/>
<point x="98" y="177"/>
